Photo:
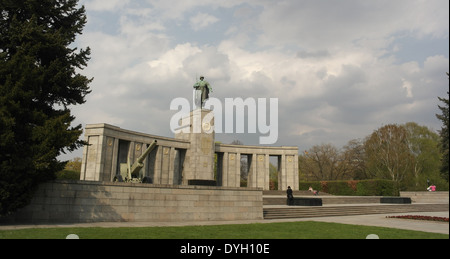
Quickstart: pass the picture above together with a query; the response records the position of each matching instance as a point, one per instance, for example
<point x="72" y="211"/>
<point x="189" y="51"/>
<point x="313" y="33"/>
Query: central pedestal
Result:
<point x="198" y="128"/>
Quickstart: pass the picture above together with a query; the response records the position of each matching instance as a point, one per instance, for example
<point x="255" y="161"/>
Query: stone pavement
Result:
<point x="378" y="220"/>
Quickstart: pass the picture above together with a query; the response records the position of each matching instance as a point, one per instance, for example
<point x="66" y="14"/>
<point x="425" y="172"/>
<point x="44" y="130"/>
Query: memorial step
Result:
<point x="295" y="193"/>
<point x="331" y="211"/>
<point x="326" y="200"/>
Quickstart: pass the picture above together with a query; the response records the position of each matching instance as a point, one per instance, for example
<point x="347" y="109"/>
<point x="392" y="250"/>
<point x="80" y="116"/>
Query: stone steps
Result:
<point x="427" y="197"/>
<point x="295" y="193"/>
<point x="326" y="200"/>
<point x="348" y="210"/>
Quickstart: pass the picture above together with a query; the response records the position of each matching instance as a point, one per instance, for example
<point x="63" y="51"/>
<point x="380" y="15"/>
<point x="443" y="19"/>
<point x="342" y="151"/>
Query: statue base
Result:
<point x="199" y="161"/>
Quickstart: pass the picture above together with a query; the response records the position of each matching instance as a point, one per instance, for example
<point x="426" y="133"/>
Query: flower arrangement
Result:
<point x="415" y="217"/>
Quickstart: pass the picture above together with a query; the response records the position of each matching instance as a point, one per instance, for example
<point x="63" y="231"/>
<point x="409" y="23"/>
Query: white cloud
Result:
<point x="167" y="66"/>
<point x="202" y="20"/>
<point x="408" y="87"/>
<point x="101" y="5"/>
<point x="337" y="25"/>
<point x="332" y="64"/>
<point x="177" y="9"/>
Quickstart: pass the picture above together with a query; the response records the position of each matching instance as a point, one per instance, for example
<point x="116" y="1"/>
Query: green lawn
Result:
<point x="291" y="230"/>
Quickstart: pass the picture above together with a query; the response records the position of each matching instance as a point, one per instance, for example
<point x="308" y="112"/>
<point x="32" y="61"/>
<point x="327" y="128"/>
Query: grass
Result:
<point x="290" y="230"/>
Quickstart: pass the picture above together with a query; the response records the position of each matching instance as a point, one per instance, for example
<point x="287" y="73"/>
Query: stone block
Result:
<point x="123" y="203"/>
<point x="304" y="202"/>
<point x="202" y="182"/>
<point x="395" y="200"/>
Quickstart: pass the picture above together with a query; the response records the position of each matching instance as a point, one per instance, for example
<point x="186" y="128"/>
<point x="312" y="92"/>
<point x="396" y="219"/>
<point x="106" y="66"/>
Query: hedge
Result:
<point x="354" y="188"/>
<point x="68" y="175"/>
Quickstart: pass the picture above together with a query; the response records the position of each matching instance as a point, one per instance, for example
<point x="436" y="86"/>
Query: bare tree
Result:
<point x="325" y="162"/>
<point x="388" y="156"/>
<point x="354" y="155"/>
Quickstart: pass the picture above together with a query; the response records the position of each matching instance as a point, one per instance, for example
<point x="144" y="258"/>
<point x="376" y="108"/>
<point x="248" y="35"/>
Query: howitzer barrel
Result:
<point x="145" y="154"/>
<point x="139" y="162"/>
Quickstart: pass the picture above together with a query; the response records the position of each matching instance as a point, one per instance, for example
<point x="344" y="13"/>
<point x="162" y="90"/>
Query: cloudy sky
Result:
<point x="339" y="68"/>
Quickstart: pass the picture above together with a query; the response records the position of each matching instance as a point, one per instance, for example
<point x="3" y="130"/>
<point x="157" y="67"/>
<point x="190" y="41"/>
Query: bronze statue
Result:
<point x="203" y="88"/>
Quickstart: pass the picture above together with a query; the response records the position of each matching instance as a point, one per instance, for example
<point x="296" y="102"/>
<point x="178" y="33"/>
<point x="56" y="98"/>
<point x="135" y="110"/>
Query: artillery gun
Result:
<point x="130" y="172"/>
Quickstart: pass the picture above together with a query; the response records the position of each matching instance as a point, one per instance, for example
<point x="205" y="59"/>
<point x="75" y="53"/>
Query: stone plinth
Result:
<point x="199" y="130"/>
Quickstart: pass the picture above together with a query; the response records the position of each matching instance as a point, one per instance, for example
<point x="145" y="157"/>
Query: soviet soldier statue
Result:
<point x="203" y="88"/>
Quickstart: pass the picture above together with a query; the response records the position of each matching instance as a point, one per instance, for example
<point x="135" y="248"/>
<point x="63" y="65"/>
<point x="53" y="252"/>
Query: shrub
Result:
<point x="354" y="188"/>
<point x="420" y="217"/>
<point x="68" y="175"/>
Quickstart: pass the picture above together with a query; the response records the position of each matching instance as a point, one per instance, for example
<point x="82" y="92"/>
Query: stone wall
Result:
<point x="427" y="197"/>
<point x="229" y="165"/>
<point x="189" y="156"/>
<point x="86" y="201"/>
<point x="109" y="146"/>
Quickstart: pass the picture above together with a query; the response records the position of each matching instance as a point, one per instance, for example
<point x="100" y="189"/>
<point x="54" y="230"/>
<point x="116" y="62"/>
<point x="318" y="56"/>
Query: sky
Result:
<point x="340" y="69"/>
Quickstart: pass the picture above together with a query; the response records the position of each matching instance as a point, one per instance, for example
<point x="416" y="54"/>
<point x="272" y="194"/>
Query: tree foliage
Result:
<point x="406" y="154"/>
<point x="387" y="153"/>
<point x="39" y="80"/>
<point x="444" y="136"/>
<point x="74" y="164"/>
<point x="423" y="144"/>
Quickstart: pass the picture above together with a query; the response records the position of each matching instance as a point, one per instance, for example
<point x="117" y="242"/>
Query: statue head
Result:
<point x="202" y="77"/>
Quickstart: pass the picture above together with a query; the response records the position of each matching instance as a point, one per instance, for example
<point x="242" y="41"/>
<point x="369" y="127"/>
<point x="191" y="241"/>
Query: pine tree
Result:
<point x="444" y="136"/>
<point x="39" y="80"/>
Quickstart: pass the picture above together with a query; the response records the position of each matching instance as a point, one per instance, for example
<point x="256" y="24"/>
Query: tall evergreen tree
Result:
<point x="444" y="136"/>
<point x="39" y="80"/>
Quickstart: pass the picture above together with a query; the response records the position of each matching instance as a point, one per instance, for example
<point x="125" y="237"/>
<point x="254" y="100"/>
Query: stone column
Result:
<point x="158" y="166"/>
<point x="252" y="180"/>
<point x="237" y="170"/>
<point x="165" y="165"/>
<point x="199" y="163"/>
<point x="288" y="175"/>
<point x="90" y="169"/>
<point x="261" y="172"/>
<point x="93" y="154"/>
<point x="295" y="186"/>
<point x="225" y="169"/>
<point x="282" y="176"/>
<point x="267" y="172"/>
<point x="172" y="167"/>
